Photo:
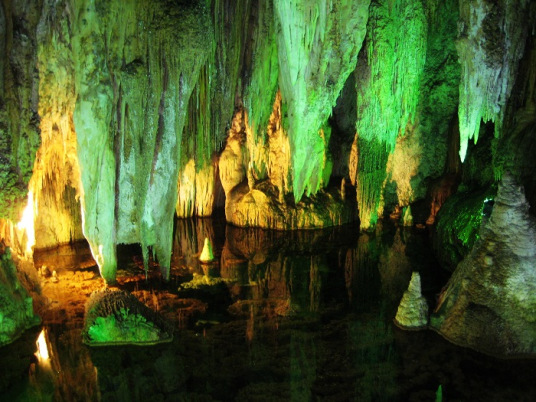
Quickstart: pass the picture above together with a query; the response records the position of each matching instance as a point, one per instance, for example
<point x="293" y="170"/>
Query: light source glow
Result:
<point x="27" y="222"/>
<point x="42" y="349"/>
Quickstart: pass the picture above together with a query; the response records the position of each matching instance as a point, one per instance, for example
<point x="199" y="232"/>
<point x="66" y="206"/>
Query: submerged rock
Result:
<point x="118" y="318"/>
<point x="489" y="302"/>
<point x="16" y="305"/>
<point x="413" y="309"/>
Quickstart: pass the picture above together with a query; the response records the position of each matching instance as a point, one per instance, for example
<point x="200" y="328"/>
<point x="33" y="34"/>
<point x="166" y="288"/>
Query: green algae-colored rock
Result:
<point x="16" y="305"/>
<point x="118" y="318"/>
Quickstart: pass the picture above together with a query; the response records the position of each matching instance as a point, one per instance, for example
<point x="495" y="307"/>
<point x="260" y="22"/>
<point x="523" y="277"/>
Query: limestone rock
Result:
<point x="262" y="208"/>
<point x="118" y="318"/>
<point x="262" y="203"/>
<point x="413" y="309"/>
<point x="491" y="42"/>
<point x="318" y="43"/>
<point x="490" y="300"/>
<point x="19" y="119"/>
<point x="16" y="305"/>
<point x="402" y="112"/>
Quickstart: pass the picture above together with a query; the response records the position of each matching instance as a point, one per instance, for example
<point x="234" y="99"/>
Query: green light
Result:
<point x="388" y="93"/>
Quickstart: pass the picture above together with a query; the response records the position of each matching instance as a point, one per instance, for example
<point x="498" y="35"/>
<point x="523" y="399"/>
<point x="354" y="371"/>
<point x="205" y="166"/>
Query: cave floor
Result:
<point x="299" y="316"/>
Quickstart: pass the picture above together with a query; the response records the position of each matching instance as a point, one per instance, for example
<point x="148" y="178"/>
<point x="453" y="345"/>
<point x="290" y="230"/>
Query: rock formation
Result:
<point x="206" y="255"/>
<point x="413" y="309"/>
<point x="118" y="318"/>
<point x="117" y="116"/>
<point x="16" y="305"/>
<point x="401" y="92"/>
<point x="489" y="302"/>
<point x="492" y="40"/>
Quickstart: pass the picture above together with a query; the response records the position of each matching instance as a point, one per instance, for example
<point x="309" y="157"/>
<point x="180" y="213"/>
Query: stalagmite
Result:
<point x="407" y="218"/>
<point x="413" y="309"/>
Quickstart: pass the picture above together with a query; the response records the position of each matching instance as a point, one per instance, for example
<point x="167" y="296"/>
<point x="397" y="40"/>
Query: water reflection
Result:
<point x="301" y="316"/>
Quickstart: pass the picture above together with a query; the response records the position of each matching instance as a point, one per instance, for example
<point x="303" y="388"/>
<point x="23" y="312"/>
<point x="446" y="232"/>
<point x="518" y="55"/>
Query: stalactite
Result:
<point x="56" y="176"/>
<point x="406" y="82"/>
<point x="492" y="40"/>
<point x="260" y="85"/>
<point x="389" y="74"/>
<point x="196" y="182"/>
<point x="318" y="43"/>
<point x="133" y="79"/>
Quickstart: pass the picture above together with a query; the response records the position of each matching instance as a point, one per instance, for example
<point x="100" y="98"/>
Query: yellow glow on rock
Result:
<point x="42" y="348"/>
<point x="27" y="222"/>
<point x="207" y="254"/>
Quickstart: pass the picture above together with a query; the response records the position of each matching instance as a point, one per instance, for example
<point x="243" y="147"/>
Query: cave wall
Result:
<point x="19" y="118"/>
<point x="117" y="115"/>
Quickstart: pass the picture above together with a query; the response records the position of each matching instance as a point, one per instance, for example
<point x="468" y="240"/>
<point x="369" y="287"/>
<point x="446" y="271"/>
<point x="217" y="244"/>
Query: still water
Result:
<point x="297" y="316"/>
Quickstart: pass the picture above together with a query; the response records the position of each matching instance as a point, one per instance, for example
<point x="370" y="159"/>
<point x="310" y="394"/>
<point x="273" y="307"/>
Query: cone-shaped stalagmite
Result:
<point x="413" y="309"/>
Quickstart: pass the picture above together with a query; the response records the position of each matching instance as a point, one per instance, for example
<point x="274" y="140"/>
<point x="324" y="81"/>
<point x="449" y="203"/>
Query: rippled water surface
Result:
<point x="302" y="316"/>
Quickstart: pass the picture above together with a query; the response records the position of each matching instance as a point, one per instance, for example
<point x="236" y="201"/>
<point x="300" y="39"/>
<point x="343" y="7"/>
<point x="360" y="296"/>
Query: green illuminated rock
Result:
<point x="118" y="318"/>
<point x="317" y="45"/>
<point x="406" y="81"/>
<point x="16" y="305"/>
<point x="458" y="226"/>
<point x="134" y="79"/>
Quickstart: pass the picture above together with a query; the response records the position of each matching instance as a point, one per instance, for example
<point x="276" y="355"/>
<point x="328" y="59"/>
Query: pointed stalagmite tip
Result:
<point x="207" y="255"/>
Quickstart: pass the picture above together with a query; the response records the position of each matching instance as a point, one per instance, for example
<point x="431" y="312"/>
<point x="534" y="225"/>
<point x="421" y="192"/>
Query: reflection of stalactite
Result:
<point x="315" y="282"/>
<point x="361" y="271"/>
<point x="75" y="367"/>
<point x="303" y="361"/>
<point x="374" y="353"/>
<point x="189" y="240"/>
<point x="395" y="269"/>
